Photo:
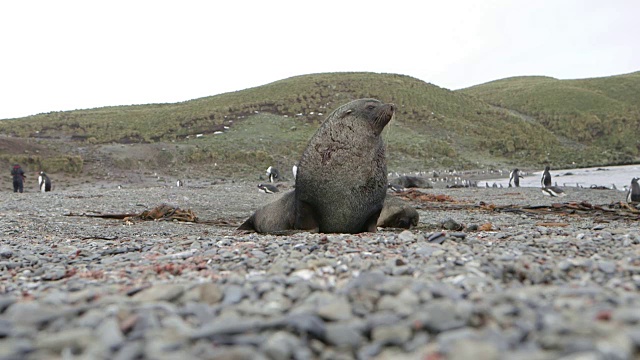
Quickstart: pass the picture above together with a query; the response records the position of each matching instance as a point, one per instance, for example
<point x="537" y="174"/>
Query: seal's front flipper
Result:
<point x="371" y="224"/>
<point x="306" y="218"/>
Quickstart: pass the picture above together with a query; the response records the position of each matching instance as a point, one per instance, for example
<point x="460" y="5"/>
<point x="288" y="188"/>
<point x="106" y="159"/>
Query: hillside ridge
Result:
<point x="238" y="133"/>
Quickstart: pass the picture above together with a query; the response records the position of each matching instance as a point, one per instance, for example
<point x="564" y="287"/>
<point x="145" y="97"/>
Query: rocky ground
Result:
<point x="486" y="282"/>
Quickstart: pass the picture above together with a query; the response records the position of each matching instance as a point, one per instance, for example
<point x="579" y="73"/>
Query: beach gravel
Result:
<point x="470" y="281"/>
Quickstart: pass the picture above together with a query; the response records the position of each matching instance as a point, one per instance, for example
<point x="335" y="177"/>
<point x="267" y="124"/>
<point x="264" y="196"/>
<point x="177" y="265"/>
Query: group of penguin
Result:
<point x="633" y="194"/>
<point x="545" y="182"/>
<point x="273" y="174"/>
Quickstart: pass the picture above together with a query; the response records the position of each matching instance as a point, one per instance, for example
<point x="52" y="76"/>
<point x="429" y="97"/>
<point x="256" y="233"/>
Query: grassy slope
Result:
<point x="602" y="112"/>
<point x="271" y="124"/>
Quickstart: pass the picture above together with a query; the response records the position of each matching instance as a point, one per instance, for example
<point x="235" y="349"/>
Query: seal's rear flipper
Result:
<point x="306" y="218"/>
<point x="248" y="225"/>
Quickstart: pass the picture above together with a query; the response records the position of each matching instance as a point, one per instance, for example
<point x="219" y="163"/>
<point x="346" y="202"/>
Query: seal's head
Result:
<point x="376" y="113"/>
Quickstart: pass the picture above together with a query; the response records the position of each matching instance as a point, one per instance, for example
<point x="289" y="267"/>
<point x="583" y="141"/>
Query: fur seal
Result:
<point x="412" y="182"/>
<point x="397" y="213"/>
<point x="341" y="181"/>
<point x="279" y="216"/>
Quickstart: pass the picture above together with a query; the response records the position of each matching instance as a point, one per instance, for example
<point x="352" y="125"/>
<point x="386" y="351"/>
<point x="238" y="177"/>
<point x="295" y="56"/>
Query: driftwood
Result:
<point x="164" y="213"/>
<point x="614" y="211"/>
<point x="159" y="213"/>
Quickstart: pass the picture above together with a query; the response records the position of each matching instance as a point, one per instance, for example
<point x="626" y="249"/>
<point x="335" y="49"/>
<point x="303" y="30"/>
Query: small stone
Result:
<point x="232" y="294"/>
<point x="109" y="333"/>
<point x="429" y="250"/>
<point x="337" y="310"/>
<point x="71" y="338"/>
<point x="6" y="252"/>
<point x="54" y="274"/>
<point x="391" y="334"/>
<point x="457" y="234"/>
<point x="607" y="267"/>
<point x="437" y="238"/>
<point x="281" y="346"/>
<point x="473" y="349"/>
<point x="406" y="236"/>
<point x="160" y="292"/>
<point x="210" y="293"/>
<point x="343" y="335"/>
<point x="450" y="224"/>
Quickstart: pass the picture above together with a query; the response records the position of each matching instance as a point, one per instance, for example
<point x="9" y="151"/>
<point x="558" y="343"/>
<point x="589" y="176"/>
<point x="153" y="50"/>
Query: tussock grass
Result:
<point x="599" y="112"/>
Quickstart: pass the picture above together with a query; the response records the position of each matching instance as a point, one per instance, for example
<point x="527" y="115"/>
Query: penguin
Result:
<point x="179" y="183"/>
<point x="44" y="182"/>
<point x="545" y="180"/>
<point x="553" y="191"/>
<point x="633" y="195"/>
<point x="268" y="188"/>
<point x="515" y="176"/>
<point x="294" y="169"/>
<point x="273" y="174"/>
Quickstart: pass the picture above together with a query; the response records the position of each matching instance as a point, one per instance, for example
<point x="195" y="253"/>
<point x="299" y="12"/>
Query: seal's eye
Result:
<point x="370" y="107"/>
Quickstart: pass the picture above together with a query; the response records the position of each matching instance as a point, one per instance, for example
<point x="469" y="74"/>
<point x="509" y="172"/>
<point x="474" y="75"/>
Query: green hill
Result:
<point x="602" y="112"/>
<point x="240" y="132"/>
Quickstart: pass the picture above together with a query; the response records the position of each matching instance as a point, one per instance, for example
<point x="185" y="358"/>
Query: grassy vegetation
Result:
<point x="71" y="164"/>
<point x="434" y="127"/>
<point x="598" y="112"/>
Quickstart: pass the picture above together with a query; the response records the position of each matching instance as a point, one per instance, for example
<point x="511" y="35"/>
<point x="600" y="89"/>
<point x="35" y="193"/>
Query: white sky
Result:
<point x="66" y="55"/>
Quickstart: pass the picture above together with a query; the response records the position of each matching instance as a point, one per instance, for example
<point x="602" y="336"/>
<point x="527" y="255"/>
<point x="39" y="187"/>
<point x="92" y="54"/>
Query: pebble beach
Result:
<point x="468" y="282"/>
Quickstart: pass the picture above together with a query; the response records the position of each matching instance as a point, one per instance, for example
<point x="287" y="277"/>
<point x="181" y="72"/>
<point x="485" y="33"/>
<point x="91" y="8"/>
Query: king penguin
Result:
<point x="44" y="182"/>
<point x="633" y="195"/>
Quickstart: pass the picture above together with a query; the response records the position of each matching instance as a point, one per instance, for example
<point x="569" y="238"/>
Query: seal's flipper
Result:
<point x="248" y="225"/>
<point x="371" y="224"/>
<point x="278" y="215"/>
<point x="306" y="218"/>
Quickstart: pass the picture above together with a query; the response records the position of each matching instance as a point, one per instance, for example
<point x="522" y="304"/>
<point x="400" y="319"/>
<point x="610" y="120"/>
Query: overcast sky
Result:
<point x="66" y="55"/>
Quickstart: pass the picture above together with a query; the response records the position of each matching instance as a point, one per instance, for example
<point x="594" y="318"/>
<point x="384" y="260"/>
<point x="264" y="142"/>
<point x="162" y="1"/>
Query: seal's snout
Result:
<point x="385" y="115"/>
